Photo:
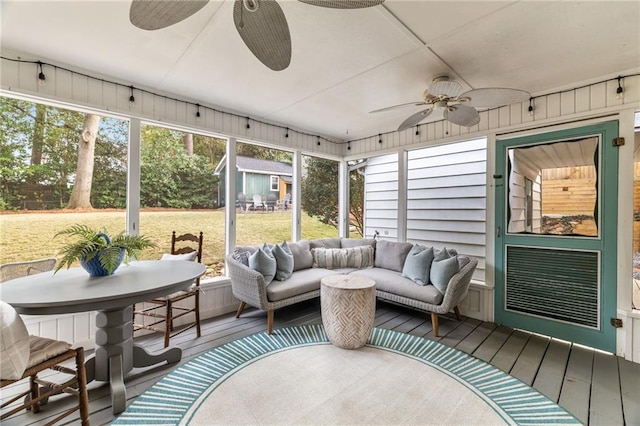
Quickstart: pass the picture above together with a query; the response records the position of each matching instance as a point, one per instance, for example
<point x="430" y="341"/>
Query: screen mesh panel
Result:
<point x="555" y="284"/>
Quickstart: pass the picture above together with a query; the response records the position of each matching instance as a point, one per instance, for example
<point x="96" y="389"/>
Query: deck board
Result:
<point x="508" y="354"/>
<point x="630" y="389"/>
<point x="552" y="369"/>
<point x="527" y="365"/>
<point x="555" y="368"/>
<point x="606" y="400"/>
<point x="576" y="387"/>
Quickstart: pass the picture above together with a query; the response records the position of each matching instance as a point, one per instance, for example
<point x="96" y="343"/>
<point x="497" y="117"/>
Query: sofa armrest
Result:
<point x="247" y="285"/>
<point x="458" y="286"/>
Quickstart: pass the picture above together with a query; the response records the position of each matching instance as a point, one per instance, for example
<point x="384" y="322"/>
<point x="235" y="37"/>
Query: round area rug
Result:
<point x="295" y="376"/>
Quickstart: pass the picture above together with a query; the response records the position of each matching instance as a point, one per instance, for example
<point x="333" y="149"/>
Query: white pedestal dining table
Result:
<point x="73" y="290"/>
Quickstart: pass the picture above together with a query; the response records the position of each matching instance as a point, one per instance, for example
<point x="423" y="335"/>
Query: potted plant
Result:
<point x="98" y="253"/>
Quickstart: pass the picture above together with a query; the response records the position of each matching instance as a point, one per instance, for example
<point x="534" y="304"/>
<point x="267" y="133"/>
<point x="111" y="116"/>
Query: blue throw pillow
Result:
<point x="264" y="262"/>
<point x="284" y="261"/>
<point x="444" y="267"/>
<point x="417" y="265"/>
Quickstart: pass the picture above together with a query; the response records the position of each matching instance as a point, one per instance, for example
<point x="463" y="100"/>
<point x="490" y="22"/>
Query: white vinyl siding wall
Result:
<point x="521" y="169"/>
<point x="446" y="198"/>
<point x="381" y="197"/>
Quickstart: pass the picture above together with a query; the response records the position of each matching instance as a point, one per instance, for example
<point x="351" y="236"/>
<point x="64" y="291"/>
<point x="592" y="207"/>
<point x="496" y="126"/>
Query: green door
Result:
<point x="556" y="214"/>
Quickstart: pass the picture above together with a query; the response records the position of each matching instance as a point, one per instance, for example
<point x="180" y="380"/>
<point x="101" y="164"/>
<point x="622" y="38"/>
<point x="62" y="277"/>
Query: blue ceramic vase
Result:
<point x="93" y="266"/>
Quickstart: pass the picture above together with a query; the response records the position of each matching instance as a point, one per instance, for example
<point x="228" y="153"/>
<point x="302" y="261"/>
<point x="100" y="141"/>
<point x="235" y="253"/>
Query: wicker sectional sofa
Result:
<point x="387" y="263"/>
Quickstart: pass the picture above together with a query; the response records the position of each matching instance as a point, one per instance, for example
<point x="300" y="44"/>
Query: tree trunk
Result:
<point x="81" y="193"/>
<point x="38" y="135"/>
<point x="187" y="140"/>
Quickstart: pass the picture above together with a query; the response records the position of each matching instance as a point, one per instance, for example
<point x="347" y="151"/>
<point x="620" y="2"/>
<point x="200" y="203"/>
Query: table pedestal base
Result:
<point x="116" y="354"/>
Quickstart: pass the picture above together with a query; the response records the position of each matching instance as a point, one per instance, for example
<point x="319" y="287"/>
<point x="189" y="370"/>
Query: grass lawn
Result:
<point x="27" y="236"/>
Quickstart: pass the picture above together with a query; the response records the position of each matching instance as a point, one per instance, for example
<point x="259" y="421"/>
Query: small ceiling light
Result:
<point x="379" y="137"/>
<point x="41" y="76"/>
<point x="286" y="133"/>
<point x="418" y="130"/>
<point x="619" y="90"/>
<point x="318" y="140"/>
<point x="197" y="110"/>
<point x="132" y="99"/>
<point x="349" y="146"/>
<point x="530" y="109"/>
<point x="248" y="125"/>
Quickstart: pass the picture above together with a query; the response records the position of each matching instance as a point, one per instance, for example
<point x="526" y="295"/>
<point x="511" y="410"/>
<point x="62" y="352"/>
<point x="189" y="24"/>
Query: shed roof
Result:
<point x="257" y="165"/>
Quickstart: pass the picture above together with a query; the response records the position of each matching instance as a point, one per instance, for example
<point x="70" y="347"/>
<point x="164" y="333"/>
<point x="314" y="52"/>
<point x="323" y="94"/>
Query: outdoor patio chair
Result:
<point x="9" y="271"/>
<point x="242" y="202"/>
<point x="272" y="200"/>
<point x="287" y="201"/>
<point x="183" y="247"/>
<point x="25" y="356"/>
<point x="257" y="202"/>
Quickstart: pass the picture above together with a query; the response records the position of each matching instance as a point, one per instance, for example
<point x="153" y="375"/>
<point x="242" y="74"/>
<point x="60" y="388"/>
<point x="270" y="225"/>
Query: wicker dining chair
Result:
<point x="27" y="356"/>
<point x="163" y="321"/>
<point x="9" y="271"/>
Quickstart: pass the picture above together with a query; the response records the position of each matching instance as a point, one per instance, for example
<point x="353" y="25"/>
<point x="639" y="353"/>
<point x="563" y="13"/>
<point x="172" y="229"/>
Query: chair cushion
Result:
<point x="391" y="255"/>
<point x="264" y="262"/>
<point x="187" y="256"/>
<point x="284" y="261"/>
<point x="444" y="267"/>
<point x="43" y="349"/>
<point x="302" y="257"/>
<point x="417" y="265"/>
<point x="14" y="343"/>
<point x="301" y="282"/>
<point x="354" y="257"/>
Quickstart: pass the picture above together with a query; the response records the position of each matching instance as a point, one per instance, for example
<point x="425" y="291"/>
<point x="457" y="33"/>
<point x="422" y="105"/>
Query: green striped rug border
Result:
<point x="172" y="399"/>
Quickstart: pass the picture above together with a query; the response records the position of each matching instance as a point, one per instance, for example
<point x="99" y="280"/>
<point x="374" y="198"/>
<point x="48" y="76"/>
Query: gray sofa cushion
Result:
<point x="391" y="255"/>
<point x="302" y="257"/>
<point x="325" y="242"/>
<point x="356" y="242"/>
<point x="263" y="261"/>
<point x="301" y="282"/>
<point x="393" y="282"/>
<point x="444" y="267"/>
<point x="284" y="261"/>
<point x="417" y="265"/>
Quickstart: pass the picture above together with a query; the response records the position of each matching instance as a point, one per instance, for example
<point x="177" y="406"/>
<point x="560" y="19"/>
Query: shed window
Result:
<point x="275" y="183"/>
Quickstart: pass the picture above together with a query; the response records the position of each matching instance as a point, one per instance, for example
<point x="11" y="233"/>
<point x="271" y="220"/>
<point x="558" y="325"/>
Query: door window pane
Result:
<point x="553" y="188"/>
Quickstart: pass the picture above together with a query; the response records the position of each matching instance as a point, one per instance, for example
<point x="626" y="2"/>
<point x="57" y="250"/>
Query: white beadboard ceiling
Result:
<point x="345" y="63"/>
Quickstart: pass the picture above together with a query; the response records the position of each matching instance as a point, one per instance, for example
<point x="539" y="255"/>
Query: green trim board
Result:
<point x="600" y="335"/>
<point x="175" y="398"/>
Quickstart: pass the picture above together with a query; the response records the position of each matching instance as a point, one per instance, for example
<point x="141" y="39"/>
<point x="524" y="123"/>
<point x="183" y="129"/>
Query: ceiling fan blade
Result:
<point x="343" y="4"/>
<point x="492" y="97"/>
<point x="415" y="119"/>
<point x="263" y="28"/>
<point x="398" y="106"/>
<point x="462" y="115"/>
<point x="153" y="15"/>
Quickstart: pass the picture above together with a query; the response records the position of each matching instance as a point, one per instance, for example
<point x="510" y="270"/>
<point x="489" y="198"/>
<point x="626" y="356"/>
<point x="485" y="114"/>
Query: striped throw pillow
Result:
<point x="354" y="257"/>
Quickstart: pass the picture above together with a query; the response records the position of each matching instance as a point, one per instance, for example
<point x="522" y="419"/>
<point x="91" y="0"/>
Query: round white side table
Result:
<point x="348" y="305"/>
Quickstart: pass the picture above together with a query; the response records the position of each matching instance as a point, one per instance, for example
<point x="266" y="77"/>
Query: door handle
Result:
<point x="498" y="232"/>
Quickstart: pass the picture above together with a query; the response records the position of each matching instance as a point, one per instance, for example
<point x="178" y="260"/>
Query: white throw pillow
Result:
<point x="187" y="256"/>
<point x="14" y="343"/>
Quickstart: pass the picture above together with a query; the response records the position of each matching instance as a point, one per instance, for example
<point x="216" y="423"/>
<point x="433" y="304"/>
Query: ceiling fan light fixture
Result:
<point x="442" y="86"/>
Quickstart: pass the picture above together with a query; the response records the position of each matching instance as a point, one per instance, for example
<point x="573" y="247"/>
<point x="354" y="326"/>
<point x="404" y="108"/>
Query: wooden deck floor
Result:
<point x="597" y="388"/>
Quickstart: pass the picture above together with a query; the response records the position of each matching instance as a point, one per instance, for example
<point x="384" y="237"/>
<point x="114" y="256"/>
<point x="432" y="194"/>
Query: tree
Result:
<point x="81" y="193"/>
<point x="320" y="193"/>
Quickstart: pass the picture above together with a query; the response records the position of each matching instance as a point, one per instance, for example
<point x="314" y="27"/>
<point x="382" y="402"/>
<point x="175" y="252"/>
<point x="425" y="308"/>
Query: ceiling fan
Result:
<point x="457" y="107"/>
<point x="260" y="23"/>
